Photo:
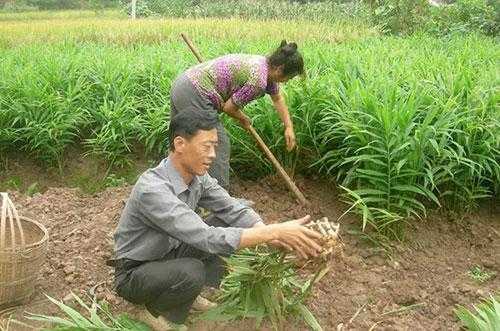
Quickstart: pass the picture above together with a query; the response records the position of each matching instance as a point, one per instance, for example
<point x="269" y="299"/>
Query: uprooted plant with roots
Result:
<point x="264" y="282"/>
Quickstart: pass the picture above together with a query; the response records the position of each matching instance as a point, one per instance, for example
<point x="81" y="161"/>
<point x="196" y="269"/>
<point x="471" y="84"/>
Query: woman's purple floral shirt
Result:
<point x="241" y="77"/>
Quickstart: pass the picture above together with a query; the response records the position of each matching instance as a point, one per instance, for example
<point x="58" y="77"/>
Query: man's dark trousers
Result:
<point x="168" y="286"/>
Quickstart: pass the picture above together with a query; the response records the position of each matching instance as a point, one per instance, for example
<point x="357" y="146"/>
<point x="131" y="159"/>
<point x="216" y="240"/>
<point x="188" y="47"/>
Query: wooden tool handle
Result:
<point x="191" y="47"/>
<point x="291" y="185"/>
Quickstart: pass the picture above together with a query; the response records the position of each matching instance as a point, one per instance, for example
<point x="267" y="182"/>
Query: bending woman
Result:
<point x="226" y="84"/>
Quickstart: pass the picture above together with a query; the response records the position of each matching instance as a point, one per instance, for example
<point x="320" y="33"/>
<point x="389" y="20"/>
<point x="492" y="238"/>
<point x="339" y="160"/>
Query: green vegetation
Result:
<point x="262" y="285"/>
<point x="403" y="124"/>
<point x="402" y="17"/>
<point x="324" y="11"/>
<point x="410" y="16"/>
<point x="480" y="274"/>
<point x="485" y="318"/>
<point x="95" y="316"/>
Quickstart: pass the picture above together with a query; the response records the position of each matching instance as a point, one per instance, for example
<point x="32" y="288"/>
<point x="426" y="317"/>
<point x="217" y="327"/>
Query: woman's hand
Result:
<point x="289" y="138"/>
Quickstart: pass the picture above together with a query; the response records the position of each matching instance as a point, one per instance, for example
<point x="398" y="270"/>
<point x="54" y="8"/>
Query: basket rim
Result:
<point x="42" y="227"/>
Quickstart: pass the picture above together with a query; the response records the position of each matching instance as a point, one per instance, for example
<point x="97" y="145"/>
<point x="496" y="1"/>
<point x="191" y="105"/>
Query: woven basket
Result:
<point x="23" y="247"/>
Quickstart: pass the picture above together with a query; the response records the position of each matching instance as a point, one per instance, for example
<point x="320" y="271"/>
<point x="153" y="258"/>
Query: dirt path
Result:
<point x="415" y="289"/>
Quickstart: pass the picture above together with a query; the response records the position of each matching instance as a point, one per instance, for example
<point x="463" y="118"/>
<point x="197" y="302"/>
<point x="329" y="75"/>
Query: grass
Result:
<point x="157" y="31"/>
<point x="417" y="137"/>
<point x="90" y="175"/>
<point x="486" y="316"/>
<point x="260" y="284"/>
<point x="13" y="183"/>
<point x="26" y="16"/>
<point x="480" y="274"/>
<point x="403" y="124"/>
<point x="95" y="316"/>
<point x="324" y="11"/>
<point x="89" y="184"/>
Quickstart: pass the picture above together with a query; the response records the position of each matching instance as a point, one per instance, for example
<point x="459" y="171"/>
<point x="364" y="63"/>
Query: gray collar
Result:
<point x="175" y="177"/>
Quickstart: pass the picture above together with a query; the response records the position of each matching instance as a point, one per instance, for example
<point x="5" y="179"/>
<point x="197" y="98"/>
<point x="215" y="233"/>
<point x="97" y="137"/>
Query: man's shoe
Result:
<point x="202" y="304"/>
<point x="159" y="323"/>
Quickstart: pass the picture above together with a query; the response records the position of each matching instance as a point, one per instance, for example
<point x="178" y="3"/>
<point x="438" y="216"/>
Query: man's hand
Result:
<point x="275" y="242"/>
<point x="279" y="244"/>
<point x="289" y="138"/>
<point x="293" y="235"/>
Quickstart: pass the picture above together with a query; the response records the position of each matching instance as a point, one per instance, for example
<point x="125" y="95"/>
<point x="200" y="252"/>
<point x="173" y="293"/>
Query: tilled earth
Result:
<point x="416" y="287"/>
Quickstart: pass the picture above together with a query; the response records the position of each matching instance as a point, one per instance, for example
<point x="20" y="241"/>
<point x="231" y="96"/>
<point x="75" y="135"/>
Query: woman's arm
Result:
<point x="235" y="112"/>
<point x="282" y="109"/>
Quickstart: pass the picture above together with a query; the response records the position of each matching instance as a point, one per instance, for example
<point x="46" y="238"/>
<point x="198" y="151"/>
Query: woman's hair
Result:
<point x="288" y="56"/>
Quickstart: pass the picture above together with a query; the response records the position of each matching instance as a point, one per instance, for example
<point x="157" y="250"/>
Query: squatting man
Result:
<point x="165" y="253"/>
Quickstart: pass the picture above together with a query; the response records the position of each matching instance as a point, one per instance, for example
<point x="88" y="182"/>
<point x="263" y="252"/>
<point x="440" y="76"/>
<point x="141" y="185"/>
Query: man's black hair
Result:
<point x="188" y="122"/>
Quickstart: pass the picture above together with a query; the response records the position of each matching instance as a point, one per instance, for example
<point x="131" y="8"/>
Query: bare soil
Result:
<point x="416" y="287"/>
